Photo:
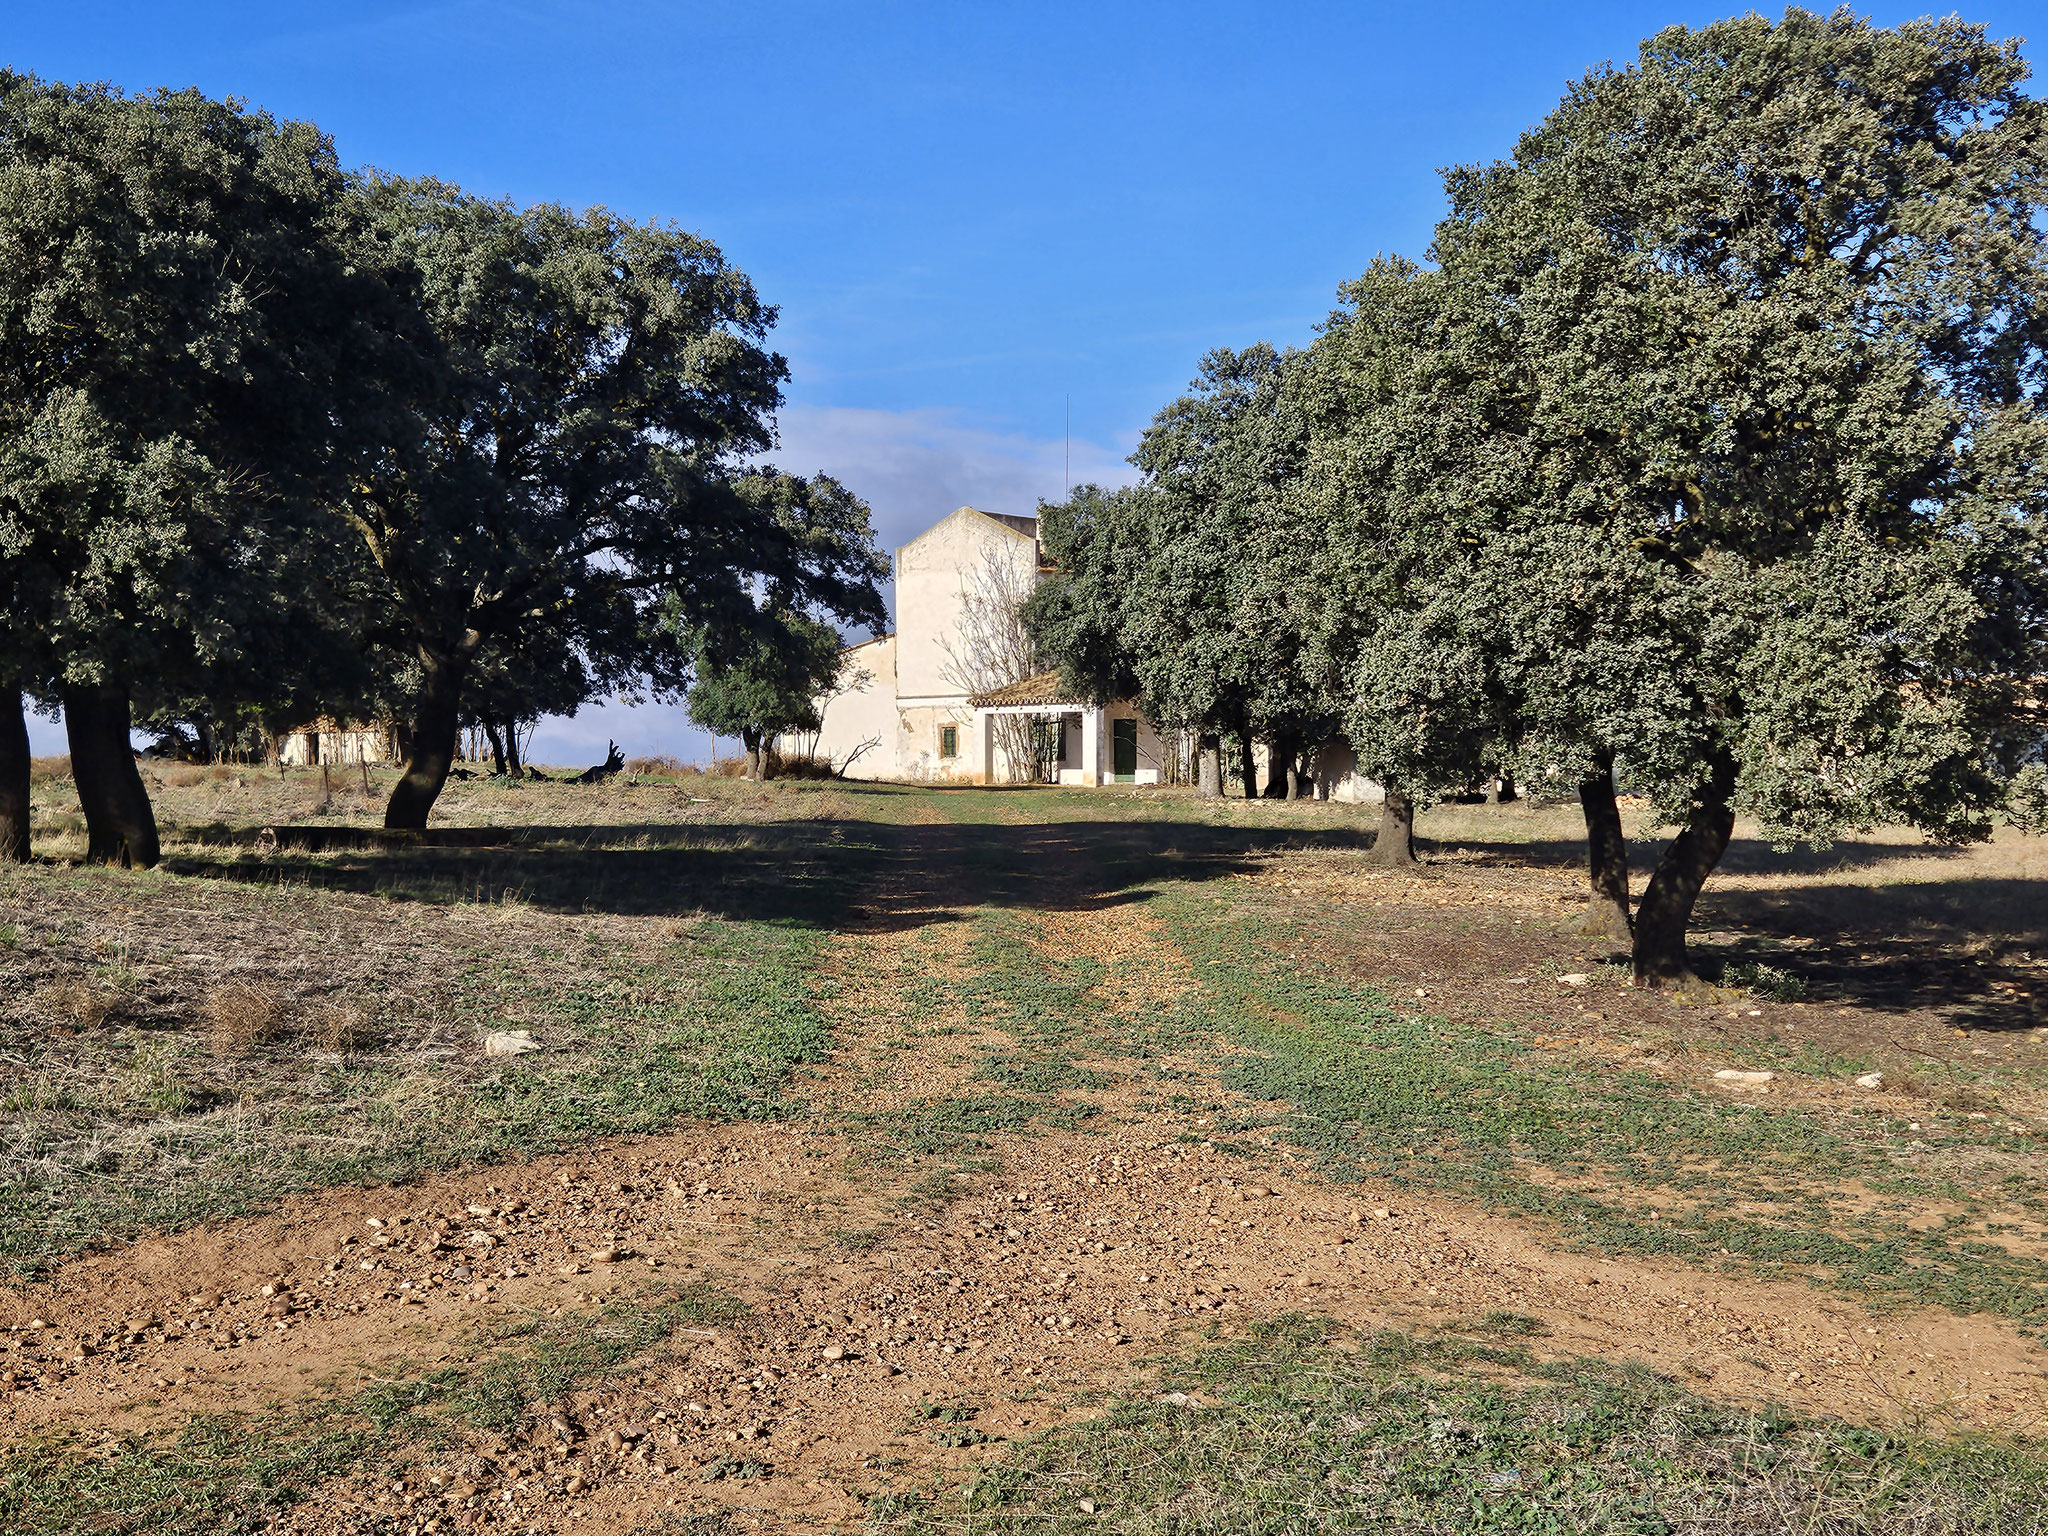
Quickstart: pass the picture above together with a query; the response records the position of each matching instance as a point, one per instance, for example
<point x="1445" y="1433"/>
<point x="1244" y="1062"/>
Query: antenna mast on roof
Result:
<point x="1070" y="447"/>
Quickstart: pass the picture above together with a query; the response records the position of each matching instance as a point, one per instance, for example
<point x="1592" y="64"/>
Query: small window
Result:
<point x="949" y="741"/>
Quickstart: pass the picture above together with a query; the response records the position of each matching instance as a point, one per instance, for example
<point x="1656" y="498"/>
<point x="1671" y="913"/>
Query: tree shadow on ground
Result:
<point x="1935" y="944"/>
<point x="1745" y="856"/>
<point x="826" y="874"/>
<point x="1942" y="941"/>
<point x="1957" y="947"/>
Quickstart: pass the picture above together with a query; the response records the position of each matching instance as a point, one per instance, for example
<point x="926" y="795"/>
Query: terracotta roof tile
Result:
<point x="1043" y="689"/>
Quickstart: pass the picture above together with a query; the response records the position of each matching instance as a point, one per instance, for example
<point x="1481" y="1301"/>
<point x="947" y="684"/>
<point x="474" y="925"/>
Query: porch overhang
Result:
<point x="1040" y="695"/>
<point x="1057" y="707"/>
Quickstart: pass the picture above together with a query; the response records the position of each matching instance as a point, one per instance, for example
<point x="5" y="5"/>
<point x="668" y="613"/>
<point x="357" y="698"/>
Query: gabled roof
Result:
<point x="1019" y="527"/>
<point x="1042" y="689"/>
<point x="1027" y="526"/>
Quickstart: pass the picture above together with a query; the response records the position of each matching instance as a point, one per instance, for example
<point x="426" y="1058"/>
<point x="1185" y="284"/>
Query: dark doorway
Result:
<point x="1123" y="750"/>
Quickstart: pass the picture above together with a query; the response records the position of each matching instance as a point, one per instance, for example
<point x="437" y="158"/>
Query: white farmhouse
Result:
<point x="327" y="741"/>
<point x="942" y="699"/>
<point x="928" y="704"/>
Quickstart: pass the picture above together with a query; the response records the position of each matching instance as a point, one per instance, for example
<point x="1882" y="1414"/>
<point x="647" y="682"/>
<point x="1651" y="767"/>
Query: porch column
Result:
<point x="1091" y="748"/>
<point x="986" y="719"/>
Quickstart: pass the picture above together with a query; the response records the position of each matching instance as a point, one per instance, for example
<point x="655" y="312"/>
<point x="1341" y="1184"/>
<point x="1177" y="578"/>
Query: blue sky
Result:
<point x="969" y="214"/>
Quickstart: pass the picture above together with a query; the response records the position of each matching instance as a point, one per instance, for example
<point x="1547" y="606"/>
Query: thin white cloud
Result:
<point x="913" y="467"/>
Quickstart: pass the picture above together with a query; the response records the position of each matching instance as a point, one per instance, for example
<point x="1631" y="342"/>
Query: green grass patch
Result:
<point x="708" y="1028"/>
<point x="236" y="1472"/>
<point x="1045" y="1003"/>
<point x="1290" y="1430"/>
<point x="950" y="1128"/>
<point x="1379" y="1089"/>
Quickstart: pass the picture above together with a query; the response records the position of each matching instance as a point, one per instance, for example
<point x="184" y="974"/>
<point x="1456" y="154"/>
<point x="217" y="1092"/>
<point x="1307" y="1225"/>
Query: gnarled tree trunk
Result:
<point x="757" y="754"/>
<point x="14" y="779"/>
<point x="436" y="727"/>
<point x="120" y="827"/>
<point x="513" y="763"/>
<point x="1248" y="766"/>
<point x="497" y="743"/>
<point x="1209" y="767"/>
<point x="1395" y="844"/>
<point x="1666" y="908"/>
<point x="1606" y="855"/>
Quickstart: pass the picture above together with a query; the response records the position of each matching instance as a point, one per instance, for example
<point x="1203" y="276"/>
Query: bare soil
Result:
<point x="1015" y="1293"/>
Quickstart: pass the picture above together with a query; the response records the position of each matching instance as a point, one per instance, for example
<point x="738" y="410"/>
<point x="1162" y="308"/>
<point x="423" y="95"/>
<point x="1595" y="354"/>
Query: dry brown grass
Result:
<point x="337" y="1029"/>
<point x="192" y="816"/>
<point x="1985" y="897"/>
<point x="663" y="764"/>
<point x="666" y="765"/>
<point x="78" y="1002"/>
<point x="49" y="770"/>
<point x="241" y="1015"/>
<point x="1908" y="1084"/>
<point x="798" y="766"/>
<point x="187" y="775"/>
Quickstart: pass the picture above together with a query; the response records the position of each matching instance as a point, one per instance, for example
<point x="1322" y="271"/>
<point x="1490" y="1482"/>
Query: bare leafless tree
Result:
<point x="860" y="750"/>
<point x="851" y="677"/>
<point x="991" y="650"/>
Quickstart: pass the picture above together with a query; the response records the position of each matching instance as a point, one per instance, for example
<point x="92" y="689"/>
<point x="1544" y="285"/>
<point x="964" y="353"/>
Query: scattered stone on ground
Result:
<point x="1010" y="1295"/>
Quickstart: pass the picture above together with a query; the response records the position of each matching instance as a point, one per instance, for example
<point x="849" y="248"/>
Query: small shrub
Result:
<point x="664" y="764"/>
<point x="337" y="1028"/>
<point x="241" y="1015"/>
<point x="119" y="978"/>
<point x="50" y="770"/>
<point x="1765" y="981"/>
<point x="804" y="768"/>
<point x="78" y="1001"/>
<point x="152" y="1078"/>
<point x="184" y="775"/>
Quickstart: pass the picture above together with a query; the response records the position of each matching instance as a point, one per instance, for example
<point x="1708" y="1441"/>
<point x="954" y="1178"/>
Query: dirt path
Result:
<point x="874" y="1299"/>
